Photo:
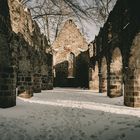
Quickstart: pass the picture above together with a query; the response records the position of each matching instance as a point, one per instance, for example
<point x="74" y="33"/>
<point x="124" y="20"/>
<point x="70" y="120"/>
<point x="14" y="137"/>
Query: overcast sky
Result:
<point x="87" y="27"/>
<point x="89" y="30"/>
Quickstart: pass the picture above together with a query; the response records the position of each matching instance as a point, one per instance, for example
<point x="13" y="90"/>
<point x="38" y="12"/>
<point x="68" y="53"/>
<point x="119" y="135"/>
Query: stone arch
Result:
<point x="132" y="75"/>
<point x="116" y="86"/>
<point x="104" y="74"/>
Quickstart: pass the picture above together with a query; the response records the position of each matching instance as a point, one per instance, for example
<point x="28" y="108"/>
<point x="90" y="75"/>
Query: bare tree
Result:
<point x="51" y="13"/>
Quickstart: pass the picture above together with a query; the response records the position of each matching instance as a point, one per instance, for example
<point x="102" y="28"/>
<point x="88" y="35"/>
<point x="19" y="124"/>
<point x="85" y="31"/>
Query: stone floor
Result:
<point x="70" y="114"/>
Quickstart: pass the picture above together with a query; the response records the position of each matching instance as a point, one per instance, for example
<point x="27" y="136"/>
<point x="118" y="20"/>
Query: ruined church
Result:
<point x="25" y="67"/>
<point x="70" y="57"/>
<point x="115" y="63"/>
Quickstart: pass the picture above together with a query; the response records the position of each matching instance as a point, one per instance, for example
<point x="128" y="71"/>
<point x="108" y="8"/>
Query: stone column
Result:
<point x="44" y="72"/>
<point x="115" y="83"/>
<point x="132" y="88"/>
<point x="44" y="85"/>
<point x="100" y="82"/>
<point x="50" y="78"/>
<point x="37" y="82"/>
<point x="37" y="76"/>
<point x="7" y="71"/>
<point x="47" y="78"/>
<point x="25" y="70"/>
<point x="91" y="71"/>
<point x="132" y="75"/>
<point x="24" y="84"/>
<point x="104" y="83"/>
<point x="47" y="72"/>
<point x="7" y="87"/>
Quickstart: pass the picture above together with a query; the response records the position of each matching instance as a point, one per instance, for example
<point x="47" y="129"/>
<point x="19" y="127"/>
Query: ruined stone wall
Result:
<point x="69" y="44"/>
<point x="93" y="78"/>
<point x="118" y="42"/>
<point x="22" y="22"/>
<point x="33" y="62"/>
<point x="82" y="70"/>
<point x="7" y="68"/>
<point x="24" y="63"/>
<point x="93" y="70"/>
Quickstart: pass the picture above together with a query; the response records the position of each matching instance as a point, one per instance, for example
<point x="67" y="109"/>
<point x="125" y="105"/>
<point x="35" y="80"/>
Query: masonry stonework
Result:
<point x="70" y="57"/>
<point x="23" y="54"/>
<point x="118" y="42"/>
<point x="7" y="69"/>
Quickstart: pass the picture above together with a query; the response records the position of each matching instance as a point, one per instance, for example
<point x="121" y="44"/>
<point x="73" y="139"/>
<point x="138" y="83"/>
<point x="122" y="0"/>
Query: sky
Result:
<point x="87" y="27"/>
<point x="90" y="29"/>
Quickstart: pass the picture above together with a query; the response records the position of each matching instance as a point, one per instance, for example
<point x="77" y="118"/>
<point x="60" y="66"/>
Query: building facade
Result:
<point x="115" y="64"/>
<point x="70" y="57"/>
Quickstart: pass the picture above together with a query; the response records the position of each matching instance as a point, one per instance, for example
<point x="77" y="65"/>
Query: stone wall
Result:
<point x="93" y="68"/>
<point x="33" y="61"/>
<point x="24" y="63"/>
<point x="7" y="69"/>
<point x="69" y="49"/>
<point x="118" y="43"/>
<point x="22" y="22"/>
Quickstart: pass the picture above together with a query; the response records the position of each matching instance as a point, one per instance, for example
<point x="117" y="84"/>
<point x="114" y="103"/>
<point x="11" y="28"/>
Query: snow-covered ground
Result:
<point x="70" y="114"/>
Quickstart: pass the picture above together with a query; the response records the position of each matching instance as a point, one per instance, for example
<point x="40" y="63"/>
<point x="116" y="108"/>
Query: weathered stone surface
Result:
<point x="119" y="41"/>
<point x="22" y="22"/>
<point x="70" y="57"/>
<point x="7" y="70"/>
<point x="22" y="53"/>
<point x="31" y="46"/>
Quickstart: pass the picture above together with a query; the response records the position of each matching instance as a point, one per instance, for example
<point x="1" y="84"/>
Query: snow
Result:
<point x="70" y="114"/>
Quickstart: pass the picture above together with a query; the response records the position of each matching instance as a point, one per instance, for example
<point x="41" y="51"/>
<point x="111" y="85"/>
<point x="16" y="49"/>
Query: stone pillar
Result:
<point x="37" y="81"/>
<point x="7" y="71"/>
<point x="47" y="80"/>
<point x="104" y="75"/>
<point x="46" y="72"/>
<point x="24" y="84"/>
<point x="108" y="81"/>
<point x="44" y="85"/>
<point x="132" y="88"/>
<point x="115" y="83"/>
<point x="104" y="83"/>
<point x="7" y="87"/>
<point x="91" y="82"/>
<point x="115" y="74"/>
<point x="24" y="75"/>
<point x="132" y="75"/>
<point x="100" y="82"/>
<point x="50" y="78"/>
<point x="94" y="78"/>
